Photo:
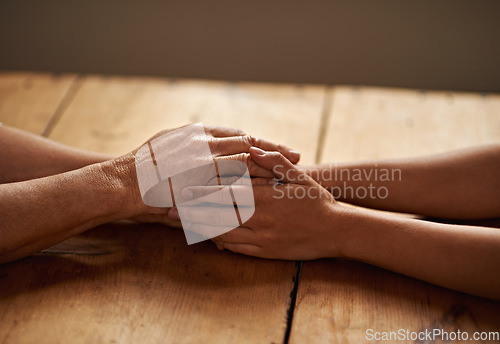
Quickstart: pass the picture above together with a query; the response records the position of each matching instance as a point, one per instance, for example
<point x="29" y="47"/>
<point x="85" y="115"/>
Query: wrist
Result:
<point x="119" y="178"/>
<point x="331" y="239"/>
<point x="344" y="229"/>
<point x="364" y="231"/>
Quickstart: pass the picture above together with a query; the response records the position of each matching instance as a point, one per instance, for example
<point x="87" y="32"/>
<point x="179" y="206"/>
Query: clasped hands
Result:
<point x="290" y="207"/>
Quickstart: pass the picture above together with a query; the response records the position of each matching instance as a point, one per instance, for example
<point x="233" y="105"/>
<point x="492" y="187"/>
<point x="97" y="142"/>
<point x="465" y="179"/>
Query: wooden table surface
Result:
<point x="131" y="283"/>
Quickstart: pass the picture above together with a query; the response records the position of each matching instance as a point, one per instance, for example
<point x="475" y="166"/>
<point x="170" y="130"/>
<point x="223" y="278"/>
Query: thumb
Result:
<point x="281" y="167"/>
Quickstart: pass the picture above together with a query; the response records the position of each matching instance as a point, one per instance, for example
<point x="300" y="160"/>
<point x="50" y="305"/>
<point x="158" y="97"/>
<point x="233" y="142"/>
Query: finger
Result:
<point x="250" y="250"/>
<point x="242" y="144"/>
<point x="223" y="195"/>
<point x="289" y="153"/>
<point x="263" y="181"/>
<point x="234" y="180"/>
<point x="254" y="169"/>
<point x="282" y="168"/>
<point x="223" y="131"/>
<point x="214" y="215"/>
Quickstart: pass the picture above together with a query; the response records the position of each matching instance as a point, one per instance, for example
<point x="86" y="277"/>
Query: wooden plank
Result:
<point x="29" y="100"/>
<point x="116" y="115"/>
<point x="126" y="283"/>
<point x="130" y="283"/>
<point x="338" y="301"/>
<point x="374" y="123"/>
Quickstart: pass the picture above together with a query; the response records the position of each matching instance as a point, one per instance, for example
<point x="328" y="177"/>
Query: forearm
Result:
<point x="462" y="184"/>
<point x="39" y="213"/>
<point x="462" y="258"/>
<point x="25" y="156"/>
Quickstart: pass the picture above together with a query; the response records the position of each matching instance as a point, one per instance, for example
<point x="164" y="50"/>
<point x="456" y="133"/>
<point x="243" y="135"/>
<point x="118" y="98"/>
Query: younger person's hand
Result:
<point x="292" y="220"/>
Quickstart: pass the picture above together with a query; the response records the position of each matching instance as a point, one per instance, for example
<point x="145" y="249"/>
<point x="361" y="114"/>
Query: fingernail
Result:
<point x="187" y="194"/>
<point x="295" y="155"/>
<point x="258" y="151"/>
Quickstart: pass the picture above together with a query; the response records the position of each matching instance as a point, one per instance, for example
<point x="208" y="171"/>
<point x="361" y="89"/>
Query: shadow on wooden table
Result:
<point x="137" y="252"/>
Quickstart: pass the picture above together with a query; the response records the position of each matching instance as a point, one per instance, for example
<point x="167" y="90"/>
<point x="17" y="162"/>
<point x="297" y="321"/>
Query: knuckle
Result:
<point x="244" y="157"/>
<point x="254" y="141"/>
<point x="245" y="139"/>
<point x="215" y="144"/>
<point x="251" y="141"/>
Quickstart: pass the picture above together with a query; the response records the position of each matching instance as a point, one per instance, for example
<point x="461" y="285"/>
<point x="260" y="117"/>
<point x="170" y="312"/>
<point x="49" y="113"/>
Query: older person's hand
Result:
<point x="225" y="144"/>
<point x="40" y="212"/>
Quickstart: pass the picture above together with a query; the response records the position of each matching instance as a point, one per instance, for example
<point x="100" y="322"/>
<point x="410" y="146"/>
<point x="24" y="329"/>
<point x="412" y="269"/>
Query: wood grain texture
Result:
<point x="129" y="283"/>
<point x="115" y="115"/>
<point x="338" y="301"/>
<point x="28" y="100"/>
<point x="379" y="123"/>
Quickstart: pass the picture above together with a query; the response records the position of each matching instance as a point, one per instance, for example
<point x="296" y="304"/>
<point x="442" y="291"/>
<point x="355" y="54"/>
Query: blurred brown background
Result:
<point x="449" y="44"/>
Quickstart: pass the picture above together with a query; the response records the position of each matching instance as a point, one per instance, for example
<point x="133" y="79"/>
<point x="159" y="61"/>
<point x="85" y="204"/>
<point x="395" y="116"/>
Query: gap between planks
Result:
<point x="325" y="120"/>
<point x="63" y="105"/>
<point x="325" y="116"/>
